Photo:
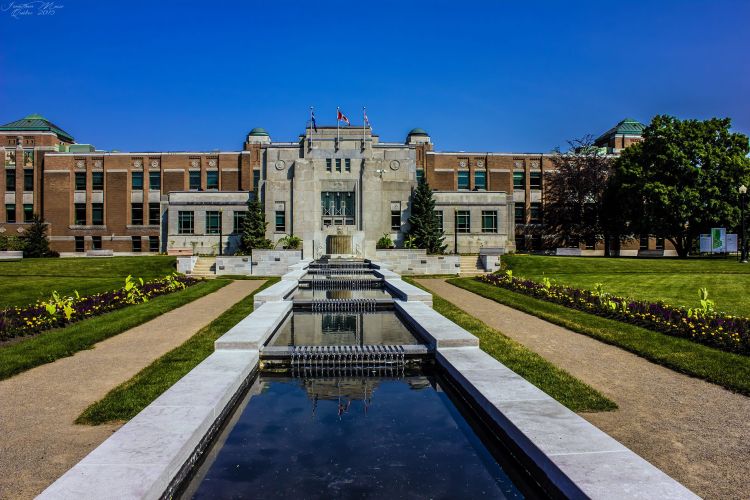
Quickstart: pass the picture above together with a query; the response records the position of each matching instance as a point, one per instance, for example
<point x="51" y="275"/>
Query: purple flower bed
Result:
<point x="722" y="331"/>
<point x="59" y="312"/>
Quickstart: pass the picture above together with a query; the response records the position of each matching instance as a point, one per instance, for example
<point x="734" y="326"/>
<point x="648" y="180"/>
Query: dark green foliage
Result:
<point x="35" y="242"/>
<point x="682" y="179"/>
<point x="424" y="223"/>
<point x="254" y="227"/>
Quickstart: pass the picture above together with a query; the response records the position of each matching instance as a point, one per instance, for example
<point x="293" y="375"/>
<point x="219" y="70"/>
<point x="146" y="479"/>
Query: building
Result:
<point x="339" y="189"/>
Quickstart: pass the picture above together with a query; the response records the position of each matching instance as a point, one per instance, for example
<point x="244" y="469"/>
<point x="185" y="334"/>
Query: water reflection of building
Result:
<point x="338" y="328"/>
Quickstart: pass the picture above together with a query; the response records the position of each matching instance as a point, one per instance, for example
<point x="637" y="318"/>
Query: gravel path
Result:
<point x="695" y="431"/>
<point x="38" y="439"/>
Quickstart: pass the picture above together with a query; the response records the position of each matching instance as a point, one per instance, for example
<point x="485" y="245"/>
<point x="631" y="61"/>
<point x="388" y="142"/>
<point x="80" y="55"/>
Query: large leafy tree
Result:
<point x="424" y="223"/>
<point x="34" y="238"/>
<point x="574" y="194"/>
<point x="682" y="179"/>
<point x="254" y="224"/>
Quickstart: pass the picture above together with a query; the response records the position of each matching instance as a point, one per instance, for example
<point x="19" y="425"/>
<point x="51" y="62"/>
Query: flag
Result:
<point x="312" y="117"/>
<point x="342" y="117"/>
<point x="367" y="120"/>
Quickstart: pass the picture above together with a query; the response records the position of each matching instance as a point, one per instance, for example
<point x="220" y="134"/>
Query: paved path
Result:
<point x="695" y="431"/>
<point x="38" y="439"/>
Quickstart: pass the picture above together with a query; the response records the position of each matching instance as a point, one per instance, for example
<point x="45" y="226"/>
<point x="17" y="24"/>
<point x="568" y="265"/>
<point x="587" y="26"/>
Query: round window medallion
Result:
<point x="193" y="163"/>
<point x="98" y="163"/>
<point x="137" y="163"/>
<point x="395" y="165"/>
<point x="154" y="163"/>
<point x="462" y="164"/>
<point x="80" y="163"/>
<point x="280" y="164"/>
<point x="211" y="163"/>
<point x="480" y="163"/>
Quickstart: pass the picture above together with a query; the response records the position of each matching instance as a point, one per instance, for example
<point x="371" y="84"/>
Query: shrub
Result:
<point x="385" y="241"/>
<point x="290" y="242"/>
<point x="10" y="243"/>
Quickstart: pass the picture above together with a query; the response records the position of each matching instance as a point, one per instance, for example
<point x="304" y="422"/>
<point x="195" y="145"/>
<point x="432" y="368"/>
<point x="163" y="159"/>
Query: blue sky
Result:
<point x="488" y="76"/>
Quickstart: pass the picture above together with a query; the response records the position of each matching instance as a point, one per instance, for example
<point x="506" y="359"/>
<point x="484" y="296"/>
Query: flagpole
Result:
<point x="364" y="125"/>
<point x="337" y="126"/>
<point x="311" y="126"/>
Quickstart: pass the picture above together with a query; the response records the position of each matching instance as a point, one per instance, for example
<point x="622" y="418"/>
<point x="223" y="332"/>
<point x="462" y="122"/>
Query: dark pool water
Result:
<point x="341" y="328"/>
<point x="349" y="438"/>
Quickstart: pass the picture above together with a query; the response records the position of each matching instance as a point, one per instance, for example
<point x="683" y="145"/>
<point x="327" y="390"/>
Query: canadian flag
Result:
<point x="342" y="117"/>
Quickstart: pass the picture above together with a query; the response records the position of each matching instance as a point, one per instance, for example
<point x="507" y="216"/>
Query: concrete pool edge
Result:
<point x="148" y="455"/>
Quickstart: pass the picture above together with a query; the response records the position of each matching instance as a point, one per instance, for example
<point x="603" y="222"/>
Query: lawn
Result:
<point x="674" y="281"/>
<point x="25" y="281"/>
<point x="729" y="370"/>
<point x="126" y="400"/>
<point x="565" y="388"/>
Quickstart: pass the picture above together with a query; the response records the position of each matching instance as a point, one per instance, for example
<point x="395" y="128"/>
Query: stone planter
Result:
<point x="11" y="254"/>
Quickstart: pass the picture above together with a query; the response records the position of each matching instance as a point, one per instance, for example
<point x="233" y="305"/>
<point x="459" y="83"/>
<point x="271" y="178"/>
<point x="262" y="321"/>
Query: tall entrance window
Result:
<point x="337" y="207"/>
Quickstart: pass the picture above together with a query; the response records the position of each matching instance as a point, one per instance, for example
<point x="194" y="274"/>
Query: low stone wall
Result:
<point x="408" y="261"/>
<point x="577" y="252"/>
<point x="185" y="265"/>
<point x="490" y="263"/>
<point x="240" y="265"/>
<point x="274" y="262"/>
<point x="11" y="255"/>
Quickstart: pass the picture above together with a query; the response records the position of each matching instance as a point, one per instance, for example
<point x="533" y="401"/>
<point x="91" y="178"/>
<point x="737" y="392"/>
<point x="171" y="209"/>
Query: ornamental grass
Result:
<point x="701" y="324"/>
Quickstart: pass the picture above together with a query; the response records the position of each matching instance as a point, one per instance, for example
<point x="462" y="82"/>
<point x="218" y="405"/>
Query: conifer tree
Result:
<point x="35" y="242"/>
<point x="254" y="227"/>
<point x="425" y="225"/>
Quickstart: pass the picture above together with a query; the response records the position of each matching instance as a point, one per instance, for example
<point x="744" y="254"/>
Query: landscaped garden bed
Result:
<point x="60" y="311"/>
<point x="701" y="324"/>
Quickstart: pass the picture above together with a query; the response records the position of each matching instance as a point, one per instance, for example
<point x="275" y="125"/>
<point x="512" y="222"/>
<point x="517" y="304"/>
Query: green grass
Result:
<point x="728" y="370"/>
<point x="125" y="401"/>
<point x="675" y="281"/>
<point x="559" y="384"/>
<point x="25" y="281"/>
<point x="48" y="346"/>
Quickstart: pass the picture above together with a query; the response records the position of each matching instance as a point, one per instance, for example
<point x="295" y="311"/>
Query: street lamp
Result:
<point x="221" y="231"/>
<point x="743" y="244"/>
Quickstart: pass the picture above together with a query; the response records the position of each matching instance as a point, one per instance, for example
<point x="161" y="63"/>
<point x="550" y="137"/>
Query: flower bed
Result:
<point x="61" y="311"/>
<point x="704" y="325"/>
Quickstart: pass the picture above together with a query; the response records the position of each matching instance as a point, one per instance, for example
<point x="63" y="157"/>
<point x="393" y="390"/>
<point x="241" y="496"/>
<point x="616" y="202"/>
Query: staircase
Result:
<point x="205" y="267"/>
<point x="471" y="265"/>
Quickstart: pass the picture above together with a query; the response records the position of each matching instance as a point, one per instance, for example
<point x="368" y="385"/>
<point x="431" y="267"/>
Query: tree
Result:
<point x="682" y="179"/>
<point x="34" y="237"/>
<point x="574" y="194"/>
<point x="425" y="226"/>
<point x="254" y="224"/>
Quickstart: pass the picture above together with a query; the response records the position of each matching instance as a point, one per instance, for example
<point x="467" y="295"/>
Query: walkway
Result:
<point x="38" y="439"/>
<point x="695" y="431"/>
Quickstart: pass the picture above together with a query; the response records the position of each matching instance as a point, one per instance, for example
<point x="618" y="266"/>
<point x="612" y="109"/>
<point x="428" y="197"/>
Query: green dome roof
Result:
<point x="258" y="131"/>
<point x="418" y="131"/>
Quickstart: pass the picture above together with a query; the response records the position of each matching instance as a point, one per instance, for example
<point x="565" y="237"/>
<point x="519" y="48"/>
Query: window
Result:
<point x="519" y="181"/>
<point x="644" y="242"/>
<point x="237" y="222"/>
<point x="154" y="180"/>
<point x="97" y="214"/>
<point x="136" y="214"/>
<point x="489" y="221"/>
<point x="213" y="220"/>
<point x="10" y="180"/>
<point x="348" y="164"/>
<point x="136" y="180"/>
<point x="153" y="244"/>
<point x="395" y="220"/>
<point x="10" y="213"/>
<point x="97" y="181"/>
<point x="280" y="221"/>
<point x="28" y="179"/>
<point x="338" y="164"/>
<point x="96" y="242"/>
<point x="28" y="212"/>
<point x="519" y="214"/>
<point x="463" y="179"/>
<point x="329" y="165"/>
<point x="80" y="246"/>
<point x="154" y="214"/>
<point x="463" y="221"/>
<point x="439" y="215"/>
<point x="535" y="213"/>
<point x="659" y="243"/>
<point x="420" y="174"/>
<point x="136" y="244"/>
<point x="80" y="181"/>
<point x="184" y="222"/>
<point x="480" y="179"/>
<point x="212" y="179"/>
<point x="80" y="214"/>
<point x="256" y="180"/>
<point x="195" y="180"/>
<point x="535" y="180"/>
